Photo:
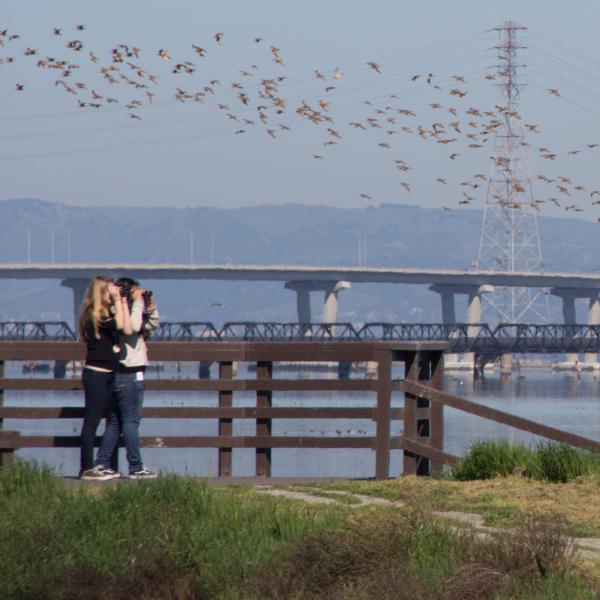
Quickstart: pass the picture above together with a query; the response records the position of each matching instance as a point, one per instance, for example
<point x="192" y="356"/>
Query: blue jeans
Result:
<point x="125" y="419"/>
<point x="98" y="392"/>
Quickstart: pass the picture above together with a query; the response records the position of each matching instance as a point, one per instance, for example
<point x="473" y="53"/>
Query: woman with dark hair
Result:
<point x="103" y="315"/>
<point x="126" y="413"/>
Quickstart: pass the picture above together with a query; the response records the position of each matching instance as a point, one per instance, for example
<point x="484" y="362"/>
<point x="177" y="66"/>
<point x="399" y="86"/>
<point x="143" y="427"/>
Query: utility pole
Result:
<point x="28" y="246"/>
<point x="68" y="244"/>
<point x="52" y="254"/>
<point x="359" y="243"/>
<point x="191" y="247"/>
<point x="510" y="238"/>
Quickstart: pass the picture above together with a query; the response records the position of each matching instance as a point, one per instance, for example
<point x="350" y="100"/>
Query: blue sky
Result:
<point x="189" y="154"/>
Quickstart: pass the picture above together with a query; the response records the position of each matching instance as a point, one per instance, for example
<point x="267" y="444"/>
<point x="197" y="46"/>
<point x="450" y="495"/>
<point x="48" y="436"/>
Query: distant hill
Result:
<point x="395" y="235"/>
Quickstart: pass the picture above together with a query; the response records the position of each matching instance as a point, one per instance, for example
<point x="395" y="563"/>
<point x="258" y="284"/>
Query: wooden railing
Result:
<point x="423" y="424"/>
<point x="422" y="439"/>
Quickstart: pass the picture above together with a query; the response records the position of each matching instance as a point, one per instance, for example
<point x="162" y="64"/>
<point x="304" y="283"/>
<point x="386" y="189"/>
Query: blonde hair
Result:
<point x="94" y="307"/>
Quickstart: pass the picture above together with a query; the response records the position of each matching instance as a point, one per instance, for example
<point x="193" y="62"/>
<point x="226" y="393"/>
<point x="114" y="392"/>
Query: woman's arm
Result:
<point x="137" y="310"/>
<point x="121" y="314"/>
<point x="127" y="329"/>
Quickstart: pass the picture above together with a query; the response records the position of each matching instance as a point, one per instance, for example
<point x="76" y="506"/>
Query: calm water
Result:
<point x="567" y="401"/>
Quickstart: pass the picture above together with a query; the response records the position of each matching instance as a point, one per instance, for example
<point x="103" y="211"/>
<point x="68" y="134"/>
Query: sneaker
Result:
<point x="98" y="473"/>
<point x="112" y="474"/>
<point x="143" y="473"/>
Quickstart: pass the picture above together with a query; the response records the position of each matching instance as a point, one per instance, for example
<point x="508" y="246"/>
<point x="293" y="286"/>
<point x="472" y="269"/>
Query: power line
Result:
<point x="573" y="69"/>
<point x="565" y="99"/>
<point x="577" y="54"/>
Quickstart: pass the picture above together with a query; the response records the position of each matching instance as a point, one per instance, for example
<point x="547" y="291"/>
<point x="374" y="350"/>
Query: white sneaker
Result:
<point x="143" y="473"/>
<point x="111" y="473"/>
<point x="96" y="473"/>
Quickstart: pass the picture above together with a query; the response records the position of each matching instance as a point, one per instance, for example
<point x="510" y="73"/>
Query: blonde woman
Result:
<point x="103" y="315"/>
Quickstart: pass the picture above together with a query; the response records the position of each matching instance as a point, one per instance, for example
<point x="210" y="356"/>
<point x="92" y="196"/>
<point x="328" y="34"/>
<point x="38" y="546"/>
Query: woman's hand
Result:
<point x="114" y="292"/>
<point x="137" y="293"/>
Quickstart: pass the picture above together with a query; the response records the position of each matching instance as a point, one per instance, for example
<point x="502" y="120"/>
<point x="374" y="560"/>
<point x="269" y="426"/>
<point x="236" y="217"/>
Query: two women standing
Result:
<point x="112" y="326"/>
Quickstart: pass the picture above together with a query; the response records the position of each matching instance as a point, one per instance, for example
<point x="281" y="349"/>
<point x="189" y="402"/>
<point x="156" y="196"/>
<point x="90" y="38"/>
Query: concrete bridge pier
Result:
<point x="593" y="318"/>
<point x="446" y="293"/>
<point x="568" y="297"/>
<point x="569" y="318"/>
<point x="78" y="287"/>
<point x="331" y="290"/>
<point x="474" y="316"/>
<point x="474" y="293"/>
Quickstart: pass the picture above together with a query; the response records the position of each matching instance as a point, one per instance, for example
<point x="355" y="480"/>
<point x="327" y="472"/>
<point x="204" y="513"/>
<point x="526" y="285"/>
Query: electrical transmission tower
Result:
<point x="509" y="235"/>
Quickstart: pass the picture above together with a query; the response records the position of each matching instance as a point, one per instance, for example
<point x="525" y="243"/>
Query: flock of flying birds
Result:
<point x="255" y="101"/>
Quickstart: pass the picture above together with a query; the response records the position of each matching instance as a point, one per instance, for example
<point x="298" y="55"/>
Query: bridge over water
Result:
<point x="331" y="280"/>
<point x="485" y="343"/>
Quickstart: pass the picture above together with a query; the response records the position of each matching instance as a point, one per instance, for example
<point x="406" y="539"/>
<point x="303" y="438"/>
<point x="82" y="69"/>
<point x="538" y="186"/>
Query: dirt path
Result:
<point x="587" y="547"/>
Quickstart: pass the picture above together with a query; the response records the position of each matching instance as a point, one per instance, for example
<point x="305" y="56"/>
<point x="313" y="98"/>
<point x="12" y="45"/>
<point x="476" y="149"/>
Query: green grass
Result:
<point x="167" y="533"/>
<point x="180" y="539"/>
<point x="546" y="461"/>
<point x="384" y="554"/>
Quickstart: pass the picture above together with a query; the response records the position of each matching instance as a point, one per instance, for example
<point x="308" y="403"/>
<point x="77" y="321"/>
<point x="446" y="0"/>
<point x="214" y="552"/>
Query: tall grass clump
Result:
<point x="560" y="463"/>
<point x="488" y="459"/>
<point x="547" y="461"/>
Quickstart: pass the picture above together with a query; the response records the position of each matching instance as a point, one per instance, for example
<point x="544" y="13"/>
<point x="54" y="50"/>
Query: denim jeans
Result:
<point x="98" y="393"/>
<point x="125" y="420"/>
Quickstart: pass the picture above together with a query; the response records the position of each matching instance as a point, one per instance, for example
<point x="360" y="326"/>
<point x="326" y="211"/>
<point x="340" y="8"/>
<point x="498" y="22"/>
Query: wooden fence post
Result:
<point x="6" y="454"/>
<point x="264" y="399"/>
<point x="383" y="420"/>
<point x="416" y="369"/>
<point x="225" y="425"/>
<point x="436" y="409"/>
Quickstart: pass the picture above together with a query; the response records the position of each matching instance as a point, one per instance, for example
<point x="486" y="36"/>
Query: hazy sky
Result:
<point x="189" y="154"/>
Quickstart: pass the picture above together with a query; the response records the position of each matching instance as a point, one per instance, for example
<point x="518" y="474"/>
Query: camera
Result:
<point x="127" y="285"/>
<point x="124" y="288"/>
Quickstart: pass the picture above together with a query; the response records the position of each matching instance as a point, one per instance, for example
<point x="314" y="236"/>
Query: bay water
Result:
<point x="567" y="401"/>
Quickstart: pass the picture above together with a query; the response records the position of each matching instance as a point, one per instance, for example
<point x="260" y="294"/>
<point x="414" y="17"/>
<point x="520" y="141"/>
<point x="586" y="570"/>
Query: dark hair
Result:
<point x="127" y="281"/>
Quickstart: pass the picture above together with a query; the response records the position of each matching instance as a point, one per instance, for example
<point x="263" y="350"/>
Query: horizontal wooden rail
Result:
<point x="9" y="440"/>
<point x="499" y="416"/>
<point x="13" y="440"/>
<point x="201" y="412"/>
<point x="404" y="443"/>
<point x="68" y="441"/>
<point x="208" y="385"/>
